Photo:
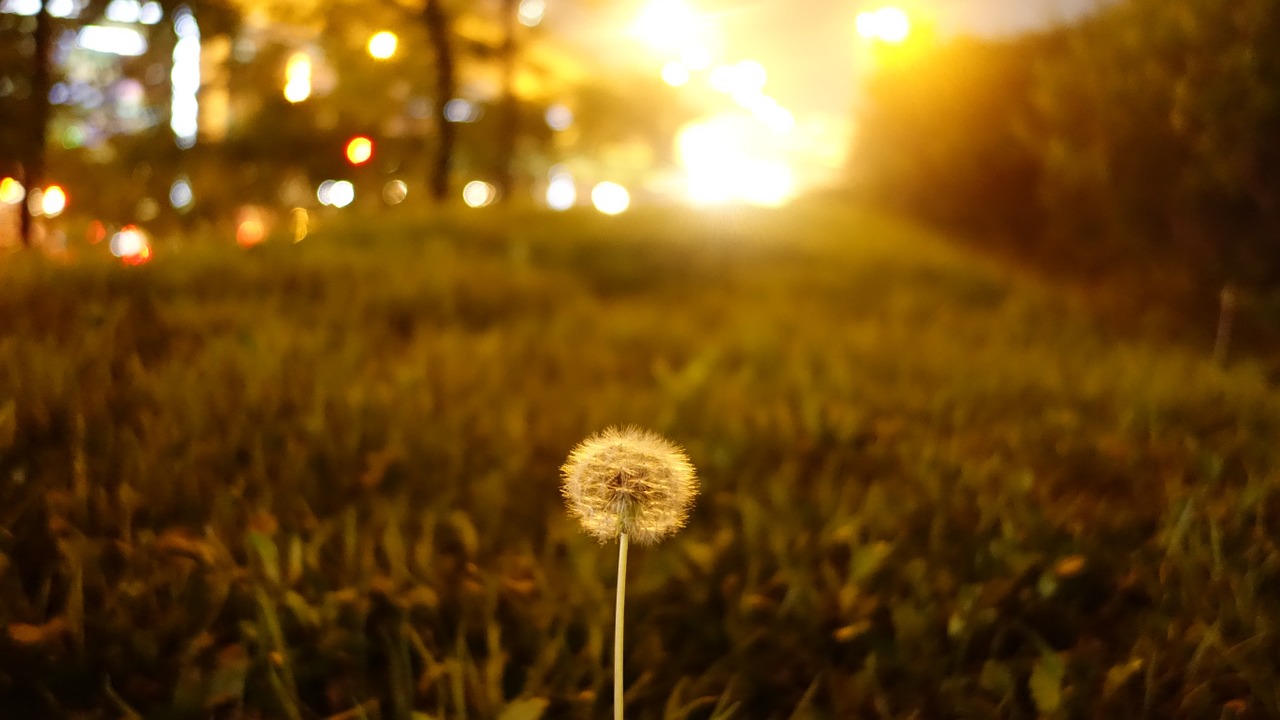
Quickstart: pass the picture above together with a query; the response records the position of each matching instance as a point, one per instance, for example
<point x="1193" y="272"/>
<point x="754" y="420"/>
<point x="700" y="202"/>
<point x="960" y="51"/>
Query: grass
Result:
<point x="320" y="481"/>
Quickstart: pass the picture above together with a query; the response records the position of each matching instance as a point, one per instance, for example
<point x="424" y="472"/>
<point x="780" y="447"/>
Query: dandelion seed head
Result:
<point x="629" y="481"/>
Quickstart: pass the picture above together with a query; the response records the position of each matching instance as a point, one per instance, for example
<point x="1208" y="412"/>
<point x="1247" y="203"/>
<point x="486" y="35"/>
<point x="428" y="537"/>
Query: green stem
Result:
<point x="617" y="628"/>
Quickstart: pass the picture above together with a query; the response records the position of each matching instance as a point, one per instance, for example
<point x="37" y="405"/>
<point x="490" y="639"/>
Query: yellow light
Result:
<point x="131" y="245"/>
<point x="743" y="79"/>
<point x="610" y="198"/>
<point x="251" y="229"/>
<point x="888" y="24"/>
<point x="394" y="192"/>
<point x="359" y="150"/>
<point x="297" y="78"/>
<point x="667" y="25"/>
<point x="53" y="201"/>
<point x="696" y="57"/>
<point x="531" y="11"/>
<point x="11" y="191"/>
<point x="383" y="45"/>
<point x="301" y="221"/>
<point x="734" y="158"/>
<point x="562" y="193"/>
<point x="478" y="193"/>
<point x="675" y="74"/>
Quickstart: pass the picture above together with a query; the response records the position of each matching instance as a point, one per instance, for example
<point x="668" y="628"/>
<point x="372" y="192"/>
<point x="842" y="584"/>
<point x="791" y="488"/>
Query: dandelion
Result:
<point x="622" y="484"/>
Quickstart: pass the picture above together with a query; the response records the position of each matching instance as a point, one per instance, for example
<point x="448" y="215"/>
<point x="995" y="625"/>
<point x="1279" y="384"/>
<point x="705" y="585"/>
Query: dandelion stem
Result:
<point x="617" y="627"/>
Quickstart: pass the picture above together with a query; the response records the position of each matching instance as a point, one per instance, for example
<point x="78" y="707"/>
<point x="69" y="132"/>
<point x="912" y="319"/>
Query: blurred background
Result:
<point x="965" y="310"/>
<point x="1054" y="124"/>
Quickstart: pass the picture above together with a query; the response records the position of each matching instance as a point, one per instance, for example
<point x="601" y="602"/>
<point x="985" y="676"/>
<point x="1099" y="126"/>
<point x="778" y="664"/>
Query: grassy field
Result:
<point x="319" y="480"/>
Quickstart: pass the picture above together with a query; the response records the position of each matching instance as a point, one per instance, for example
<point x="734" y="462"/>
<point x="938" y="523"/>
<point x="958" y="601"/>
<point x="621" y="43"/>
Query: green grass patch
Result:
<point x="319" y="480"/>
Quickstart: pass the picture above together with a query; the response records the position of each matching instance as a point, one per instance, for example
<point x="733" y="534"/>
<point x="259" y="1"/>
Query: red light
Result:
<point x="359" y="150"/>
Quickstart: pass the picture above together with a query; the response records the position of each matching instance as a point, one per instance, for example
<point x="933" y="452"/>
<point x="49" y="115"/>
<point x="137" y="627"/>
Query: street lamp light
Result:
<point x="383" y="45"/>
<point x="888" y="24"/>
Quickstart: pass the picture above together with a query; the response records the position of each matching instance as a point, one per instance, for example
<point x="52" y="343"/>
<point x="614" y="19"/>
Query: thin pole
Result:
<point x="617" y="627"/>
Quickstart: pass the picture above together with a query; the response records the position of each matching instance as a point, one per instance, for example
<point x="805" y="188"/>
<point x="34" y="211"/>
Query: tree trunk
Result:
<point x="33" y="161"/>
<point x="446" y="88"/>
<point x="508" y="123"/>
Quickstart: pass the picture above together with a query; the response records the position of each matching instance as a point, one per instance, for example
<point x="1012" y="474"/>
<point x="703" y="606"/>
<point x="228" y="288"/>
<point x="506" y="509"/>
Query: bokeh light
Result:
<point x="610" y="198"/>
<point x="394" y="192"/>
<point x="341" y="194"/>
<point x="733" y="158"/>
<point x="112" y="39"/>
<point x="888" y="24"/>
<point x="668" y="25"/>
<point x="96" y="232"/>
<point x="11" y="191"/>
<point x="531" y="12"/>
<point x="675" y="74"/>
<point x="479" y="193"/>
<point x="251" y="227"/>
<point x="696" y="57"/>
<point x="297" y="77"/>
<point x="562" y="192"/>
<point x="301" y="223"/>
<point x="53" y="201"/>
<point x="123" y="11"/>
<point x="559" y="117"/>
<point x="459" y="110"/>
<point x="184" y="78"/>
<point x="35" y="202"/>
<point x="323" y="191"/>
<point x="148" y="209"/>
<point x="131" y="245"/>
<point x="180" y="194"/>
<point x="359" y="150"/>
<point x="383" y="45"/>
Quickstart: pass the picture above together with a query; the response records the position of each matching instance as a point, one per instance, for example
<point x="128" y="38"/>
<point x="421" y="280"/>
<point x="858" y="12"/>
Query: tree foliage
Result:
<point x="1148" y="127"/>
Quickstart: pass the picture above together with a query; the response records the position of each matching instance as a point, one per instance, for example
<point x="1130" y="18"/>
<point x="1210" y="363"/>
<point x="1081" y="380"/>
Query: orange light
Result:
<point x="250" y="232"/>
<point x="143" y="255"/>
<point x="359" y="150"/>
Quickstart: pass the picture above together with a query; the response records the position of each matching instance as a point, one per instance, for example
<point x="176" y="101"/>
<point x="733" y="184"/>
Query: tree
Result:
<point x="437" y="21"/>
<point x="1158" y="124"/>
